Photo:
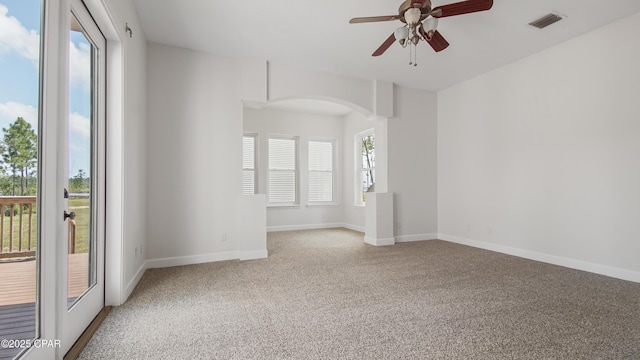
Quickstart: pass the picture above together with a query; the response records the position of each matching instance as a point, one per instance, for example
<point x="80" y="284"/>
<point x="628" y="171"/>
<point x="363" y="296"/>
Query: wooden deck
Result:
<point x="18" y="279"/>
<point x="18" y="296"/>
<point x="16" y="322"/>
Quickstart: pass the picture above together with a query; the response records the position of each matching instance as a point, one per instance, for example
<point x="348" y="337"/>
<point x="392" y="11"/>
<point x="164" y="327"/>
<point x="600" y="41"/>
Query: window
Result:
<point x="366" y="165"/>
<point x="321" y="171"/>
<point x="283" y="171"/>
<point x="249" y="178"/>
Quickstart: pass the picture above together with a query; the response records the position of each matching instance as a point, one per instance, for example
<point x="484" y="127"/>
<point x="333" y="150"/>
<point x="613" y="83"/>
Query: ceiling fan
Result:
<point x="421" y="22"/>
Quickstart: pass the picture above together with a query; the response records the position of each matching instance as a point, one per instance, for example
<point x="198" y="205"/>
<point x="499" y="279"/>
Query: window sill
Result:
<point x="320" y="205"/>
<point x="283" y="206"/>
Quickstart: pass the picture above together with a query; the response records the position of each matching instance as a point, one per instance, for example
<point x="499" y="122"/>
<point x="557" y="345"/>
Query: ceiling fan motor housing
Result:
<point x="423" y="5"/>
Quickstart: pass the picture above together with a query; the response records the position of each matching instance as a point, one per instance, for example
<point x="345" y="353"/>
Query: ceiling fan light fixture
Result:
<point x="402" y="34"/>
<point x="429" y="27"/>
<point x="412" y="16"/>
<point x="430" y="24"/>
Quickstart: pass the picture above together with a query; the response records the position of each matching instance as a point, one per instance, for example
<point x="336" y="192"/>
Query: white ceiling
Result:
<point x="317" y="34"/>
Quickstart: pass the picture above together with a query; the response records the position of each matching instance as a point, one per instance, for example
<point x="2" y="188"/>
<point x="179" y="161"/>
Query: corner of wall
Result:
<point x="131" y="285"/>
<point x="384" y="100"/>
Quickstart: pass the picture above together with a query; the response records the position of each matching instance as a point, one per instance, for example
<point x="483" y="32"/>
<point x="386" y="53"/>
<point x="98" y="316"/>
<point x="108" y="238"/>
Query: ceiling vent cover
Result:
<point x="545" y="21"/>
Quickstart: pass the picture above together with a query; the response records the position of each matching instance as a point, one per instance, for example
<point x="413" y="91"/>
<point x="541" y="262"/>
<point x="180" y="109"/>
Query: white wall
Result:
<point x="306" y="127"/>
<point x="412" y="152"/>
<point x="287" y="82"/>
<point x="133" y="143"/>
<point x="194" y="151"/>
<point x="194" y="146"/>
<point x="540" y="157"/>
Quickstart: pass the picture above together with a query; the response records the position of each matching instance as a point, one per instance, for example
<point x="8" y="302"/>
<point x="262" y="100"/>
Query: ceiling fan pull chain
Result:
<point x="413" y="55"/>
<point x="410" y="56"/>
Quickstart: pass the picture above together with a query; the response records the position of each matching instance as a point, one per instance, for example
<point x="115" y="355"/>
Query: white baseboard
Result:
<point x="132" y="284"/>
<point x="205" y="258"/>
<point x="398" y="239"/>
<point x="314" y="226"/>
<point x="412" y="238"/>
<point x="354" y="227"/>
<point x="302" y="227"/>
<point x="379" y="242"/>
<point x="191" y="259"/>
<point x="546" y="258"/>
<point x="253" y="255"/>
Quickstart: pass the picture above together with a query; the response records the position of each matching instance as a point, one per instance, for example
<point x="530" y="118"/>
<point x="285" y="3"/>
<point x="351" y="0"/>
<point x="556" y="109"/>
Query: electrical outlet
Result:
<point x="136" y="252"/>
<point x="223" y="237"/>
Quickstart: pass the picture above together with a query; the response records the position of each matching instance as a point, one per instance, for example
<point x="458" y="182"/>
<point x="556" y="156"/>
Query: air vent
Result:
<point x="545" y="21"/>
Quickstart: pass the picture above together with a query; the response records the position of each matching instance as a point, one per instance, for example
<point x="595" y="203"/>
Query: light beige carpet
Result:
<point x="323" y="294"/>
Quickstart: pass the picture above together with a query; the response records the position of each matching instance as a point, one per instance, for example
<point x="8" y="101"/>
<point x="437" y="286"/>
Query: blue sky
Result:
<point x="19" y="59"/>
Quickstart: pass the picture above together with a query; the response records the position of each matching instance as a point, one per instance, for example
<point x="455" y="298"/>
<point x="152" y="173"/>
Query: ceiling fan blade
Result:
<point x="463" y="7"/>
<point x="385" y="45"/>
<point x="360" y="20"/>
<point x="437" y="42"/>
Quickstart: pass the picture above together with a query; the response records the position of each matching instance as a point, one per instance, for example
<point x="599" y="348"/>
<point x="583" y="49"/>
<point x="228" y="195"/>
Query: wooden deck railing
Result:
<point x="17" y="226"/>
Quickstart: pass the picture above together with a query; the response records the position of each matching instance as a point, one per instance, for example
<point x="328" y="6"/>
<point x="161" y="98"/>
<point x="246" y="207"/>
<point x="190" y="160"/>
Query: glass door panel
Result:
<point x="81" y="244"/>
<point x="20" y="29"/>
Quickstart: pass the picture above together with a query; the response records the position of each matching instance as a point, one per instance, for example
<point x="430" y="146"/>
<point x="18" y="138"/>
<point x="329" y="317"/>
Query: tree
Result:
<point x="20" y="152"/>
<point x="368" y="148"/>
<point x="80" y="181"/>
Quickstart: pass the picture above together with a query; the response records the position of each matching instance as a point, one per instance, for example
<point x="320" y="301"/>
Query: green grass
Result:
<point x="79" y="205"/>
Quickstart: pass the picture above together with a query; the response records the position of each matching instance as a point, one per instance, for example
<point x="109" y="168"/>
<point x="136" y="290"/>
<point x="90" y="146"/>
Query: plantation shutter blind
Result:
<point x="248" y="165"/>
<point x="282" y="171"/>
<point x="321" y="171"/>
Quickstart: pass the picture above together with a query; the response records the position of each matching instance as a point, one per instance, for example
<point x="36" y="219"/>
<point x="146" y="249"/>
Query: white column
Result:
<point x="379" y="219"/>
<point x="252" y="227"/>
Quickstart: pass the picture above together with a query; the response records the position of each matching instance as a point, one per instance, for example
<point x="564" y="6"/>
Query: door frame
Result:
<point x="115" y="32"/>
<point x="53" y="75"/>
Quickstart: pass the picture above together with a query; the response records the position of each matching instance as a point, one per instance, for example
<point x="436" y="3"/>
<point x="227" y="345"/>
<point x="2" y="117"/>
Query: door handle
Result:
<point x="71" y="215"/>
